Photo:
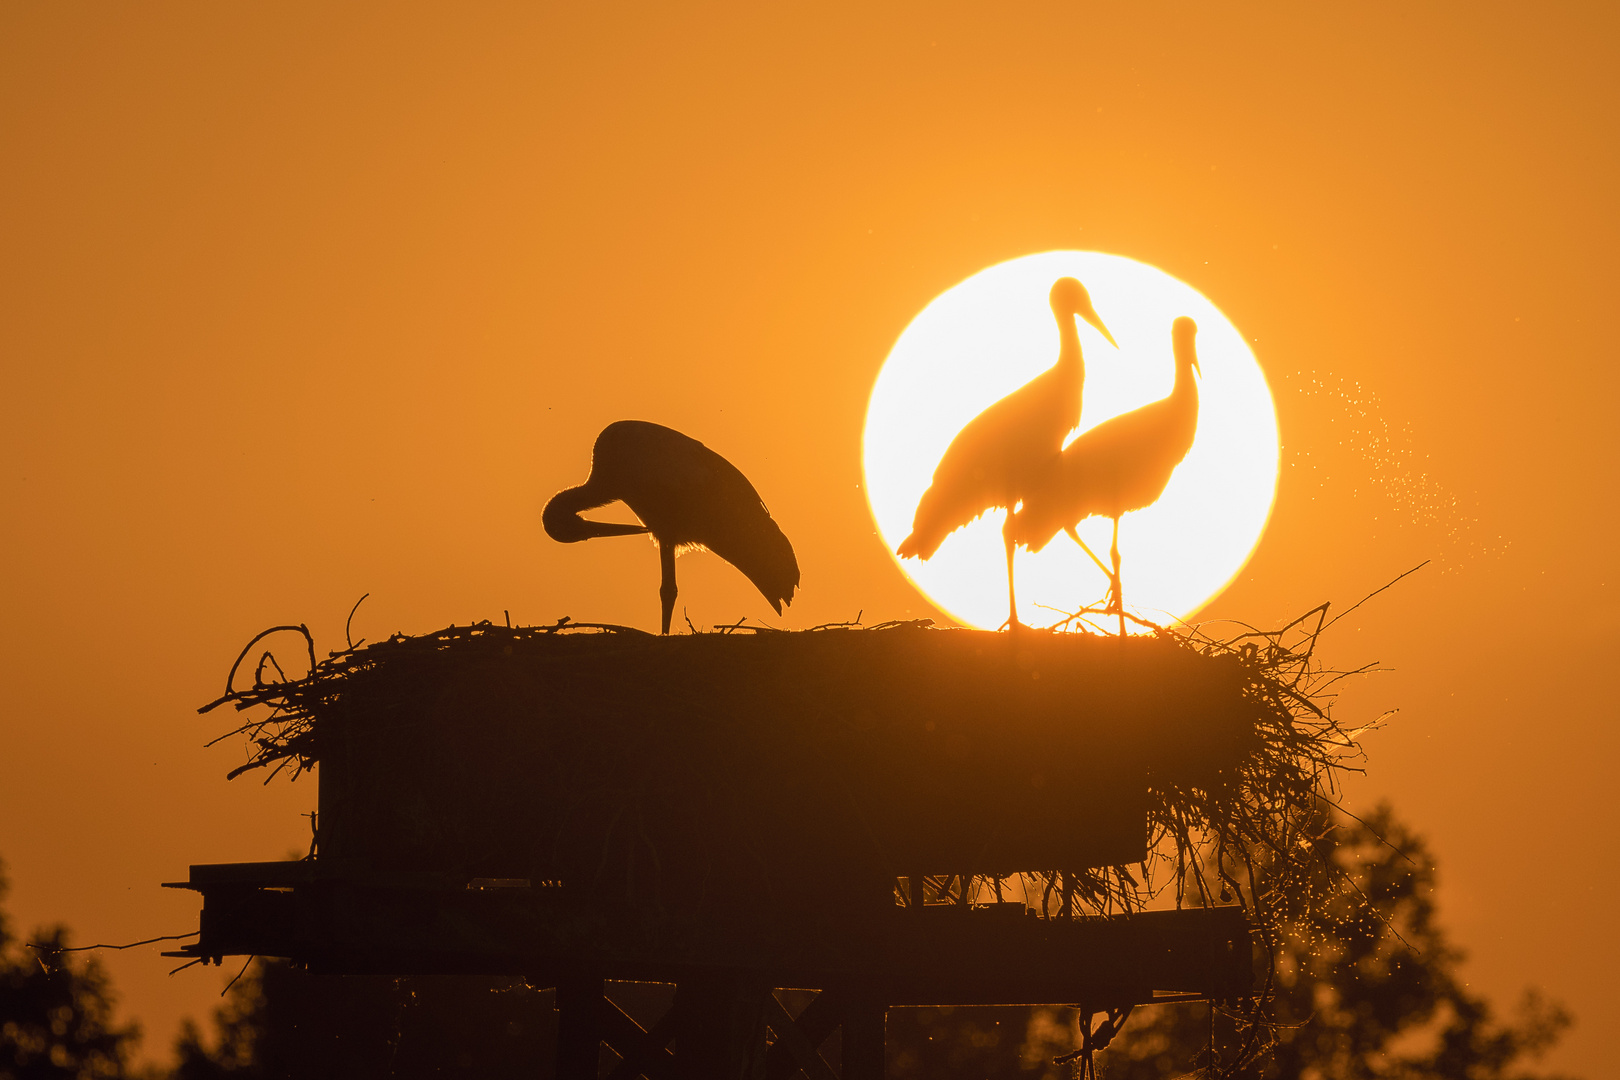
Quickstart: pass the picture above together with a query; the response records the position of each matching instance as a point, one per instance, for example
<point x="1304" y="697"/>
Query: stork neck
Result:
<point x="1069" y="358"/>
<point x="1186" y="385"/>
<point x="1068" y="340"/>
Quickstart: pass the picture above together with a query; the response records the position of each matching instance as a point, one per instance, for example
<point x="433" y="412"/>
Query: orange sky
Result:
<point x="305" y="301"/>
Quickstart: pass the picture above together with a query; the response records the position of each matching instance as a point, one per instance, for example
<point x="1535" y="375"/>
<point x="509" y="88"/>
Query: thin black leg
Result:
<point x="666" y="588"/>
<point x="1012" y="597"/>
<point x="1119" y="590"/>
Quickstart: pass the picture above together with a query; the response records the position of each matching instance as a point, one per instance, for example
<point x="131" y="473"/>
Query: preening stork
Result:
<point x="1122" y="464"/>
<point x="688" y="497"/>
<point x="1002" y="451"/>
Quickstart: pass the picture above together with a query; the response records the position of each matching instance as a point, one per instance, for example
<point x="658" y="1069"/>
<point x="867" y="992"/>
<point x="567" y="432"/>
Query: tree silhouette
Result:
<point x="56" y="1011"/>
<point x="1367" y="985"/>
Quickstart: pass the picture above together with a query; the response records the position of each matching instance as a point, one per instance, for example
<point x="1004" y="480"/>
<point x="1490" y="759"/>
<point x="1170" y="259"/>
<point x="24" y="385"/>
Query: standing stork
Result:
<point x="1122" y="464"/>
<point x="1002" y="451"/>
<point x="688" y="497"/>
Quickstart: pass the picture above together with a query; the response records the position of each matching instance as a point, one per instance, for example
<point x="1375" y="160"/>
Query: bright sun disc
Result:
<point x="994" y="332"/>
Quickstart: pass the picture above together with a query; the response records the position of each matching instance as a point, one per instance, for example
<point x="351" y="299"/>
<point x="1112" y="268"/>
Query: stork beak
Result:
<point x="1091" y="316"/>
<point x="1197" y="368"/>
<point x="612" y="528"/>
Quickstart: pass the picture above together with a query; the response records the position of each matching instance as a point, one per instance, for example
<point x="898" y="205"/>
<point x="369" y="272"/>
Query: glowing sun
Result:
<point x="992" y="333"/>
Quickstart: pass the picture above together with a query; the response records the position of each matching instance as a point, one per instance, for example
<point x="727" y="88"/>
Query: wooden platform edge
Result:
<point x="337" y="919"/>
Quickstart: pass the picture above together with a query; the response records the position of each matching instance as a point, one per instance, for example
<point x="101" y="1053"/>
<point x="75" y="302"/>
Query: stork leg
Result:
<point x="1012" y="597"/>
<point x="1117" y="589"/>
<point x="666" y="589"/>
<point x="1074" y="534"/>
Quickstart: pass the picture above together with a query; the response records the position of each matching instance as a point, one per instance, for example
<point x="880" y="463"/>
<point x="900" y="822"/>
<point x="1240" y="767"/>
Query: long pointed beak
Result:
<point x="1094" y="319"/>
<point x="611" y="528"/>
<point x="564" y="524"/>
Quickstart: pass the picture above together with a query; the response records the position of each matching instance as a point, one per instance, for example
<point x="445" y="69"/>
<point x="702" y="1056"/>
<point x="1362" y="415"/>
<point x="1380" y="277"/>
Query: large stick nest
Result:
<point x="1205" y="828"/>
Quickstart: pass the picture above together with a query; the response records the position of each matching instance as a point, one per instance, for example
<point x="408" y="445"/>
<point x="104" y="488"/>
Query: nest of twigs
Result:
<point x="1205" y="825"/>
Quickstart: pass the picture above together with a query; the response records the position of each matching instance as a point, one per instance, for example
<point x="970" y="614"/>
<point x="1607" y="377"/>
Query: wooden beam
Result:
<point x="817" y="1021"/>
<point x="721" y="1034"/>
<point x="805" y="1053"/>
<point x="580" y="1017"/>
<point x="641" y="1052"/>
<point x="863" y="1052"/>
<point x="939" y="954"/>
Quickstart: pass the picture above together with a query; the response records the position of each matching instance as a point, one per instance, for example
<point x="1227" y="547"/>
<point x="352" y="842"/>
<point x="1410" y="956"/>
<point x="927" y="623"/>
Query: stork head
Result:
<point x="1183" y="339"/>
<point x="563" y="522"/>
<point x="1069" y="298"/>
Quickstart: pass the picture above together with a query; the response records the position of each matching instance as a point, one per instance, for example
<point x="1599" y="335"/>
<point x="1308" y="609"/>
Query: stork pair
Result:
<point x="1011" y="457"/>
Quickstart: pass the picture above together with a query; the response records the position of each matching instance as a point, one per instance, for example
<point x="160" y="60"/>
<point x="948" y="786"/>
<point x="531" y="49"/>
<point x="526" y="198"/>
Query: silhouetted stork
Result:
<point x="1002" y="451"/>
<point x="1122" y="464"/>
<point x="687" y="496"/>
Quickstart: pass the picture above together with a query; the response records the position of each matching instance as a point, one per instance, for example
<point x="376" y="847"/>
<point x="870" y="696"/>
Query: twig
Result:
<point x="231" y="677"/>
<point x="1375" y="592"/>
<point x="856" y="621"/>
<point x="238" y="975"/>
<point x="346" y="623"/>
<point x="133" y="944"/>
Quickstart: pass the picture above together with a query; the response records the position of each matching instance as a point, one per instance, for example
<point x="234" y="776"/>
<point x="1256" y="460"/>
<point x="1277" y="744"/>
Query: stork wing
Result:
<point x="688" y="494"/>
<point x="992" y="459"/>
<point x="738" y="528"/>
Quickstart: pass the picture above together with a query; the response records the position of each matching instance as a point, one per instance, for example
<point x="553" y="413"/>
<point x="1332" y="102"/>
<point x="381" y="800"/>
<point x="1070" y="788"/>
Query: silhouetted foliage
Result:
<point x="56" y="1009"/>
<point x="1367" y="986"/>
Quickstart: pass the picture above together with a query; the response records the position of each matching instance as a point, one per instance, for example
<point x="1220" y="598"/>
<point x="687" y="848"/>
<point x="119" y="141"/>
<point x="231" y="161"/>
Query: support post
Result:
<point x="579" y="1025"/>
<point x="722" y="1027"/>
<point x="864" y="1038"/>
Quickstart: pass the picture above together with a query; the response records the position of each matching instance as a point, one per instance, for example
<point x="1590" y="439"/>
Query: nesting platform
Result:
<point x="735" y="812"/>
